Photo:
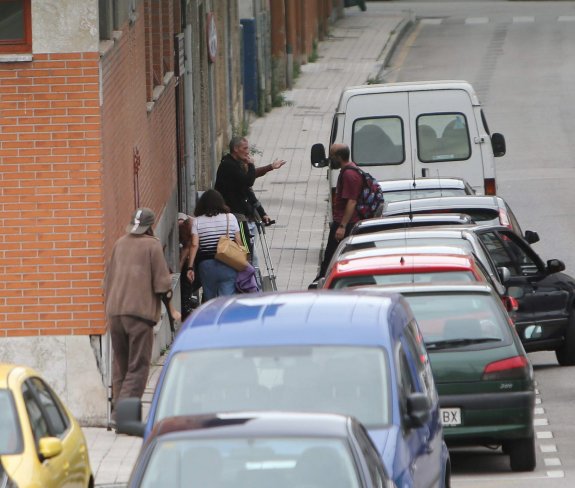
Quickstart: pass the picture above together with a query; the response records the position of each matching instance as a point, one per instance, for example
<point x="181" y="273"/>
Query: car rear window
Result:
<point x="483" y="215"/>
<point x="177" y="461"/>
<point x="399" y="195"/>
<point x="10" y="433"/>
<point x="347" y="380"/>
<point x="444" y="317"/>
<point x="394" y="279"/>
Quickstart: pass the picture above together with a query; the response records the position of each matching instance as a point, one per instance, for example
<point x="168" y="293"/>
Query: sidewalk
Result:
<point x="296" y="196"/>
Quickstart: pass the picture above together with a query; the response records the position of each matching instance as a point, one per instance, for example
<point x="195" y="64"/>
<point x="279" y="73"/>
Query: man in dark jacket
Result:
<point x="137" y="276"/>
<point x="234" y="179"/>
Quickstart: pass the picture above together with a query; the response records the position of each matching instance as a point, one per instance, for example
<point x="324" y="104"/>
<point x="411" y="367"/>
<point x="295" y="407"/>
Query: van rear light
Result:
<point x="514" y="368"/>
<point x="490" y="186"/>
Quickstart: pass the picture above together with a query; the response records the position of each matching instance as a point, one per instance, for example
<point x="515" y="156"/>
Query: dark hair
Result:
<point x="185" y="231"/>
<point x="235" y="142"/>
<point x="210" y="204"/>
<point x="342" y="152"/>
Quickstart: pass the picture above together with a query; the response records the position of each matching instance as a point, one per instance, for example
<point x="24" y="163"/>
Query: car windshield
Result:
<point x="178" y="461"/>
<point x="411" y="194"/>
<point x="337" y="379"/>
<point x="392" y="279"/>
<point x="456" y="320"/>
<point x="10" y="433"/>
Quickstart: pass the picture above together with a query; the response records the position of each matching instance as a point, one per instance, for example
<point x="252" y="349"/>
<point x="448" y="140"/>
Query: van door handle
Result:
<point x="479" y="140"/>
<point x="424" y="172"/>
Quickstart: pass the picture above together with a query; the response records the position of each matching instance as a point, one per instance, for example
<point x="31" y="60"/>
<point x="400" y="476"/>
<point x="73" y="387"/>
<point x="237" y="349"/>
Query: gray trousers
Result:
<point x="132" y="341"/>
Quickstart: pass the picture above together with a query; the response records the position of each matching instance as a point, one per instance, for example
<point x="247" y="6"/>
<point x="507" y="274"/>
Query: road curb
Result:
<point x="393" y="41"/>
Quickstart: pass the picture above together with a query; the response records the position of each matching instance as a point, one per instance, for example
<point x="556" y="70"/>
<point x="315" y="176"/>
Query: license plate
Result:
<point x="451" y="417"/>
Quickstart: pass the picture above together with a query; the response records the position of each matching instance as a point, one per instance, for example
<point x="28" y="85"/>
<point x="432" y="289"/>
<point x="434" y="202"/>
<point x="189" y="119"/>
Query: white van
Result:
<point x="416" y="129"/>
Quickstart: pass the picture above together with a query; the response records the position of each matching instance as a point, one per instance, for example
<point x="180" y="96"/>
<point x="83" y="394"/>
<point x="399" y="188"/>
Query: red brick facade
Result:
<point x="51" y="219"/>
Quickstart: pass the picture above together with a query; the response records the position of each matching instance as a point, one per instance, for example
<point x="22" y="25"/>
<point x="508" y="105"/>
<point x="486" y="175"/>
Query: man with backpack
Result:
<point x="348" y="190"/>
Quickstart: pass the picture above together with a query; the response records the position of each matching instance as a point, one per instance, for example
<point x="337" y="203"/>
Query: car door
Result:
<point x="543" y="298"/>
<point x="425" y="443"/>
<point x="48" y="419"/>
<point x="445" y="136"/>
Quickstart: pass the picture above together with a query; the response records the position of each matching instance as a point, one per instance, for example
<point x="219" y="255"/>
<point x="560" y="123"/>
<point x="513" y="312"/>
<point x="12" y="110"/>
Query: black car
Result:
<point x="545" y="319"/>
<point x="265" y="449"/>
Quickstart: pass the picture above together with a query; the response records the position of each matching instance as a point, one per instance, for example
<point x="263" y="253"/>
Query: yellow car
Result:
<point x="41" y="443"/>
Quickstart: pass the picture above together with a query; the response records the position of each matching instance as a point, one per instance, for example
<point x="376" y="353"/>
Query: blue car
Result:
<point x="344" y="352"/>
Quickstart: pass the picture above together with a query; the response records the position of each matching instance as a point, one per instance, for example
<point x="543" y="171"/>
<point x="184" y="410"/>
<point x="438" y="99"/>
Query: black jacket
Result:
<point x="235" y="185"/>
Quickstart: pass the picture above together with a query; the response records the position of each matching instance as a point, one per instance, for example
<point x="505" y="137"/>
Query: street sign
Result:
<point x="212" y="35"/>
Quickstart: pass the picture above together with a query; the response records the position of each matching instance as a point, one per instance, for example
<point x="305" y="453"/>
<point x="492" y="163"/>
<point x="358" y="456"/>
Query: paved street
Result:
<point x="296" y="195"/>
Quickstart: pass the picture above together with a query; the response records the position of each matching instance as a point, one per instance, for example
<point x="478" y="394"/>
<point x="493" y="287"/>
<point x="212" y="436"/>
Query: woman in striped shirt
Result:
<point x="212" y="220"/>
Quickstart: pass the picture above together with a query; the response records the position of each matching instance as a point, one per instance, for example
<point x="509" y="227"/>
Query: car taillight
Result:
<point x="504" y="218"/>
<point x="490" y="186"/>
<point x="511" y="304"/>
<point x="513" y="368"/>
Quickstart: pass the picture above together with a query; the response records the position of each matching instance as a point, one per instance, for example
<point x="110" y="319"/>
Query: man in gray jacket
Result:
<point x="137" y="276"/>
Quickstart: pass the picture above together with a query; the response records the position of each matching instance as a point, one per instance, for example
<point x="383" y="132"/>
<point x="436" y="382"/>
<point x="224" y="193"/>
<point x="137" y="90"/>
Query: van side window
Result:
<point x="377" y="141"/>
<point x="442" y="137"/>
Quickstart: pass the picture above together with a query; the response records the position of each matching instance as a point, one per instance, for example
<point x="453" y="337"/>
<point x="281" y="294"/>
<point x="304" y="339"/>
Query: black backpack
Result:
<point x="370" y="200"/>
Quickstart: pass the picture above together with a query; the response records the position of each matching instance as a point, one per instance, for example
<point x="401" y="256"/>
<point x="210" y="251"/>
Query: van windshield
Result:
<point x="336" y="379"/>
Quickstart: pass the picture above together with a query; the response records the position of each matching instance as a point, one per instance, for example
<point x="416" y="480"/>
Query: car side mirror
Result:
<point x="318" y="159"/>
<point x="555" y="266"/>
<point x="504" y="274"/>
<point x="418" y="410"/>
<point x="129" y="417"/>
<point x="498" y="144"/>
<point x="531" y="236"/>
<point x="49" y="447"/>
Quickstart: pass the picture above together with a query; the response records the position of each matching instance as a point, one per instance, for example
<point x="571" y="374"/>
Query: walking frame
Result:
<point x="268" y="282"/>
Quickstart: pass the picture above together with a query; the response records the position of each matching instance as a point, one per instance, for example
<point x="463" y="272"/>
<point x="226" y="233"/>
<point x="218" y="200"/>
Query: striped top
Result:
<point x="209" y="230"/>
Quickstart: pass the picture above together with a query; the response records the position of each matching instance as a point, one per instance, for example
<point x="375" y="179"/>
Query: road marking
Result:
<point x="538" y="401"/>
<point x="520" y="20"/>
<point x="539" y="411"/>
<point x="548" y="448"/>
<point x="477" y="20"/>
<point x="540" y="422"/>
<point x="545" y="434"/>
<point x="431" y="21"/>
<point x="566" y="18"/>
<point x="556" y="474"/>
<point x="552" y="462"/>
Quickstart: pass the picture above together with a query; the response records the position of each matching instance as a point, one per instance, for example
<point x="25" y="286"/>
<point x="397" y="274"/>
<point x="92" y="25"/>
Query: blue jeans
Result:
<point x="217" y="279"/>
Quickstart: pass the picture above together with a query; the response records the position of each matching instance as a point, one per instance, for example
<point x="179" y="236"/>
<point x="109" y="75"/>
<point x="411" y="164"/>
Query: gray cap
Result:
<point x="142" y="220"/>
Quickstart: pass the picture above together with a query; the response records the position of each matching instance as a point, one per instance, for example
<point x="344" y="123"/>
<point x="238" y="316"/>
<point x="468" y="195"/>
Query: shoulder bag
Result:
<point x="229" y="252"/>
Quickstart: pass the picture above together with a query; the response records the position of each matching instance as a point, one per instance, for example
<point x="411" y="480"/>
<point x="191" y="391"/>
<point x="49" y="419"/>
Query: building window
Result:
<point x="15" y="26"/>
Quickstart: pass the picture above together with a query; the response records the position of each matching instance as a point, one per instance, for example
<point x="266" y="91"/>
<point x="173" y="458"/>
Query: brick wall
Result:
<point x="129" y="129"/>
<point x="51" y="220"/>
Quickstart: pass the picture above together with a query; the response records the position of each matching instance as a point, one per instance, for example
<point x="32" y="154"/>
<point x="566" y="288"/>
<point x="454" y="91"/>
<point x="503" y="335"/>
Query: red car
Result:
<point x="403" y="268"/>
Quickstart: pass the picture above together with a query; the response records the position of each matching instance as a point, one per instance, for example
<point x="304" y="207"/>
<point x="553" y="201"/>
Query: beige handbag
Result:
<point x="229" y="252"/>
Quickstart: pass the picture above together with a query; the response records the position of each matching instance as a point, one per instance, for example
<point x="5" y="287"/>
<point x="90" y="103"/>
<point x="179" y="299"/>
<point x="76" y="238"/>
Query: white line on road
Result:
<point x="540" y="422"/>
<point x="548" y="448"/>
<point x="552" y="462"/>
<point x="477" y="20"/>
<point x="539" y="411"/>
<point x="556" y="474"/>
<point x="545" y="434"/>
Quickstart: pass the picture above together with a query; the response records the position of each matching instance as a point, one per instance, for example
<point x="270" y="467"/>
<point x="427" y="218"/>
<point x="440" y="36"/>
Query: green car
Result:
<point x="482" y="373"/>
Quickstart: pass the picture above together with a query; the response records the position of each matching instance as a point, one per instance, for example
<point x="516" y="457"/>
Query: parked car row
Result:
<point x="420" y="334"/>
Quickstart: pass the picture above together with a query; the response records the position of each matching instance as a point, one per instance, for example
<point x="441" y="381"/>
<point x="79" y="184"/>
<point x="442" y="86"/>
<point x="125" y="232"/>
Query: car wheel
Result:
<point x="566" y="353"/>
<point x="362" y="6"/>
<point x="522" y="454"/>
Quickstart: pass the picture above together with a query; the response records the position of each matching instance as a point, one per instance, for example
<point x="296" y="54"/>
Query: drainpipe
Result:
<point x="190" y="146"/>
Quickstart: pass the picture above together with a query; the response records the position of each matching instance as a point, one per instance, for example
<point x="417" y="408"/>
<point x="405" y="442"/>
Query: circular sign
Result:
<point x="212" y="34"/>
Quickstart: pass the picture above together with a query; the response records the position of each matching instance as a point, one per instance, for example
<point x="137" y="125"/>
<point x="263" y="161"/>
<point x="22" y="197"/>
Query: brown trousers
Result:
<point x="132" y="341"/>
